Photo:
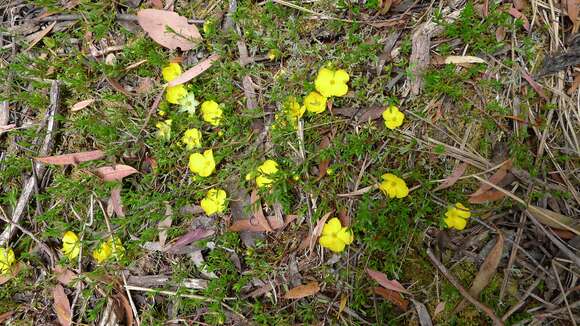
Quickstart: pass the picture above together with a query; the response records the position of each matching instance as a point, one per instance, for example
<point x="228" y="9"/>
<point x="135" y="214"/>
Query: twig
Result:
<point x="122" y="17"/>
<point x="555" y="240"/>
<point x="487" y="310"/>
<point x="32" y="236"/>
<point x="522" y="301"/>
<point x="563" y="294"/>
<point x="135" y="313"/>
<point x="40" y="168"/>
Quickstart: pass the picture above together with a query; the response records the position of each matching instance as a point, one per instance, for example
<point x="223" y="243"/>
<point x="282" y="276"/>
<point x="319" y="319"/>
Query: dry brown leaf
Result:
<point x="64" y="275"/>
<point x="342" y="305"/>
<point x="311" y="239"/>
<point x="385" y="5"/>
<point x="117" y="172"/>
<point x="572" y="13"/>
<point x="323" y="165"/>
<point x="382" y="279"/>
<point x="157" y="4"/>
<point x="461" y="59"/>
<point x="439" y="309"/>
<point x="61" y="305"/>
<point x="116" y="202"/>
<point x="490" y="195"/>
<point x="422" y="313"/>
<point x="453" y="177"/>
<point x="258" y="212"/>
<point x="360" y="191"/>
<point x="500" y="34"/>
<point x="118" y="87"/>
<point x="520" y="4"/>
<point x="495" y="179"/>
<point x="555" y="220"/>
<point x="6" y="128"/>
<point x="5" y="316"/>
<point x="486" y="271"/>
<point x="164" y="225"/>
<point x="518" y="15"/>
<point x="36" y="37"/>
<point x="168" y="29"/>
<point x="73" y="158"/>
<point x="303" y="291"/>
<point x="189" y="237"/>
<point x="82" y="104"/>
<point x="535" y="85"/>
<point x="248" y="225"/>
<point x="393" y="297"/>
<point x="122" y="300"/>
<point x="195" y="71"/>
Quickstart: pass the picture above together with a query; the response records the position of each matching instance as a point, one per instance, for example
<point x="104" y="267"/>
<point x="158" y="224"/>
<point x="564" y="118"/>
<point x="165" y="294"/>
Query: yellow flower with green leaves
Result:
<point x="174" y="94"/>
<point x="172" y="71"/>
<point x="331" y="82"/>
<point x="214" y="202"/>
<point x="188" y="103"/>
<point x="7" y="258"/>
<point x="264" y="173"/>
<point x="192" y="138"/>
<point x="164" y="130"/>
<point x="393" y="186"/>
<point x="334" y="236"/>
<point x="71" y="245"/>
<point x="456" y="216"/>
<point x="315" y="103"/>
<point x="393" y="117"/>
<point x="110" y="249"/>
<point x="203" y="165"/>
<point x="211" y="112"/>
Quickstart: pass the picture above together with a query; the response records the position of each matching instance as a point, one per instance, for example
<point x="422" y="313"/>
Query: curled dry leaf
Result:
<point x="303" y="291"/>
<point x="64" y="275"/>
<point x="116" y="202"/>
<point x="61" y="305"/>
<point x="486" y="192"/>
<point x="393" y="297"/>
<point x="81" y="105"/>
<point x="189" y="237"/>
<point x="382" y="279"/>
<point x="311" y="239"/>
<point x="191" y="73"/>
<point x="486" y="271"/>
<point x="122" y="301"/>
<point x="168" y="29"/>
<point x="461" y="59"/>
<point x="73" y="158"/>
<point x="453" y="177"/>
<point x="117" y="172"/>
<point x="258" y="213"/>
<point x="555" y="220"/>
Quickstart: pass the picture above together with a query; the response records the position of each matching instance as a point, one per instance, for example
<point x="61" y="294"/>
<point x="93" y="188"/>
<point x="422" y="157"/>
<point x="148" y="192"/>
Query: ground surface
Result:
<point x="510" y="122"/>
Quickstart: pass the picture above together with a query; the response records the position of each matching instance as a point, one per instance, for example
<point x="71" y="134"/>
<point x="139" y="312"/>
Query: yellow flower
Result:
<point x="393" y="186"/>
<point x="192" y="138"/>
<point x="393" y="117"/>
<point x="293" y="109"/>
<point x="456" y="216"/>
<point x="164" y="130"/>
<point x="212" y="113"/>
<point x="71" y="245"/>
<point x="7" y="258"/>
<point x="174" y="94"/>
<point x="315" y="103"/>
<point x="331" y="82"/>
<point x="272" y="54"/>
<point x="214" y="201"/>
<point x="264" y="171"/>
<point x="188" y="103"/>
<point x="109" y="249"/>
<point x="171" y="72"/>
<point x="334" y="236"/>
<point x="203" y="165"/>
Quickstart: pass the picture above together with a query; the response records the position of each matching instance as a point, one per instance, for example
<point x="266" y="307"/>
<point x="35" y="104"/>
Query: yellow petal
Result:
<point x="345" y="235"/>
<point x="393" y="117"/>
<point x="7" y="258"/>
<point x="172" y="71"/>
<point x="70" y="245"/>
<point x="268" y="167"/>
<point x="192" y="138"/>
<point x="211" y="112"/>
<point x="263" y="181"/>
<point x="341" y="76"/>
<point x="174" y="94"/>
<point x="332" y="227"/>
<point x="315" y="102"/>
<point x="455" y="222"/>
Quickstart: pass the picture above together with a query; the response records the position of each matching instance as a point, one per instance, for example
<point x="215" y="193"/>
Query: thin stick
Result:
<point x="32" y="182"/>
<point x="135" y="313"/>
<point x="555" y="240"/>
<point x="487" y="310"/>
<point x="563" y="293"/>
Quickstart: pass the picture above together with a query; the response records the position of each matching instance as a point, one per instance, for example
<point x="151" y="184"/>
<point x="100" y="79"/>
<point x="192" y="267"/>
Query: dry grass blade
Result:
<point x="62" y="306"/>
<point x="302" y="291"/>
<point x="555" y="220"/>
<point x="36" y="37"/>
<point x="486" y="271"/>
<point x="461" y="59"/>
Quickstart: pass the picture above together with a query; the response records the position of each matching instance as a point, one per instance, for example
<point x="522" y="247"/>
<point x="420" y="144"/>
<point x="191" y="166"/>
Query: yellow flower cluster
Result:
<point x="214" y="202"/>
<point x="328" y="83"/>
<point x="456" y="216"/>
<point x="112" y="248"/>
